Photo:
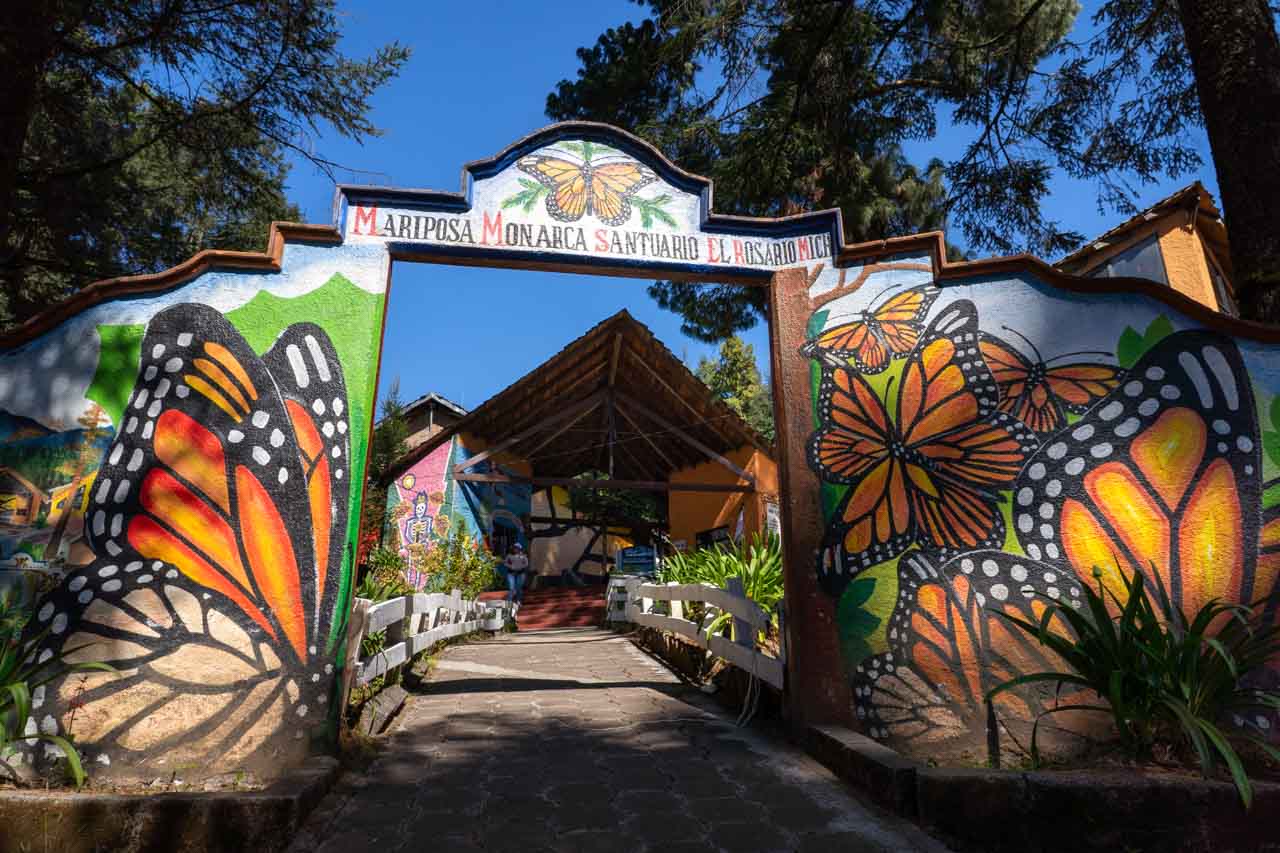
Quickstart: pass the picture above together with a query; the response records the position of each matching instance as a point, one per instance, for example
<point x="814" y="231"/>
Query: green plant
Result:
<point x="384" y="577"/>
<point x="1166" y="679"/>
<point x="758" y="563"/>
<point x="21" y="675"/>
<point x="459" y="561"/>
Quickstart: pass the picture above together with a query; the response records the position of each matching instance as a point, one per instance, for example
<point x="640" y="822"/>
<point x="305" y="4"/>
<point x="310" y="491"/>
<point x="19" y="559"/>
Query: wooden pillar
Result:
<point x="817" y="684"/>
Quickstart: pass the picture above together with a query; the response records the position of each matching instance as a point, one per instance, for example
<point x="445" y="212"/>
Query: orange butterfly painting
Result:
<point x="1162" y="474"/>
<point x="930" y="473"/>
<point x="876" y="336"/>
<point x="1040" y="393"/>
<point x="600" y="188"/>
<point x="219" y="517"/>
<point x="948" y="647"/>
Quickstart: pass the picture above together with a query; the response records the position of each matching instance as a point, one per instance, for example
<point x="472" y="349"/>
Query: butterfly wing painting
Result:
<point x="612" y="186"/>
<point x="219" y="517"/>
<point x="889" y="330"/>
<point x="1164" y="475"/>
<point x="948" y="647"/>
<point x="932" y="473"/>
<point x="1040" y="395"/>
<point x="566" y="181"/>
<point x="576" y="189"/>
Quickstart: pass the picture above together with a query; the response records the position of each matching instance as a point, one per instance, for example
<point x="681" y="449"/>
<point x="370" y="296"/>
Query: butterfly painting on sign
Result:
<point x="970" y="476"/>
<point x="578" y="179"/>
<point x="219" y="519"/>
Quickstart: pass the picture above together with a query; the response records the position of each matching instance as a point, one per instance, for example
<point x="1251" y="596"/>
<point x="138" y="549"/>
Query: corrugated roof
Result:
<point x="1194" y="193"/>
<point x="433" y="397"/>
<point x="619" y="357"/>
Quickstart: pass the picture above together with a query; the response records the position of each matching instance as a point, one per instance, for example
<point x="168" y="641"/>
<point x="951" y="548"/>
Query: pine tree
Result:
<point x="735" y="379"/>
<point x="794" y="105"/>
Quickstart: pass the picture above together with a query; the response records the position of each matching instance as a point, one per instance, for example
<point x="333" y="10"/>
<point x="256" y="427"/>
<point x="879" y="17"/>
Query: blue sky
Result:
<point x="477" y="81"/>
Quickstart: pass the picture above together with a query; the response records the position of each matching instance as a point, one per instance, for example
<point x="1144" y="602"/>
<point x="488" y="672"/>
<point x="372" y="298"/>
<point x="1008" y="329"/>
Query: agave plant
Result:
<point x="21" y="675"/>
<point x="757" y="563"/>
<point x="1165" y="678"/>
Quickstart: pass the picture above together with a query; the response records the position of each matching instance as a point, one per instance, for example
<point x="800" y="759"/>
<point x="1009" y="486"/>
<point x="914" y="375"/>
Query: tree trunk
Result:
<point x="1235" y="55"/>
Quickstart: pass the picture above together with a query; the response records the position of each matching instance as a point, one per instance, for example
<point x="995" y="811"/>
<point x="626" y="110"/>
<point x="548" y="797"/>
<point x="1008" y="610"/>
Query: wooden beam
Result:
<point x="571" y="412"/>
<point x="568" y="425"/>
<point x="664" y="423"/>
<point x="635" y="485"/>
<point x="613" y="357"/>
<point x="635" y="356"/>
<point x="656" y="449"/>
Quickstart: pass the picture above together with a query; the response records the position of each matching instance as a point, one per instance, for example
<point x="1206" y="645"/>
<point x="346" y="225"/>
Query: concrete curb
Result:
<point x="994" y="811"/>
<point x="263" y="821"/>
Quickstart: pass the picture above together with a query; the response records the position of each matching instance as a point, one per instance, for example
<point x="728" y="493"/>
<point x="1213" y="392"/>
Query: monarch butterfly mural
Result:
<point x="928" y="474"/>
<point x="1040" y="393"/>
<point x="874" y="337"/>
<point x="219" y="518"/>
<point x="602" y="189"/>
<point x="1158" y="467"/>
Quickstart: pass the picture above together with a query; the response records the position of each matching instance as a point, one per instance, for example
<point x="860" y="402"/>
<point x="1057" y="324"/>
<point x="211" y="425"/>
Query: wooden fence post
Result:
<point x="743" y="632"/>
<point x="355" y="633"/>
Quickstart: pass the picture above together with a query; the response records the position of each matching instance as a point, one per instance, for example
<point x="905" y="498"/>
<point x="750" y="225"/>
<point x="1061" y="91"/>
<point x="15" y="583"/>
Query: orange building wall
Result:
<point x="1183" y="252"/>
<point x="692" y="512"/>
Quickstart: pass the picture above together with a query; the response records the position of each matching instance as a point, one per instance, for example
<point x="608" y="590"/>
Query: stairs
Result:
<point x="559" y="607"/>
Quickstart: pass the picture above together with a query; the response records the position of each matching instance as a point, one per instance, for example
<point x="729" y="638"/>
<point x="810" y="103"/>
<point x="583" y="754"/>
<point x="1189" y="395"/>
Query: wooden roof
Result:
<point x="617" y="379"/>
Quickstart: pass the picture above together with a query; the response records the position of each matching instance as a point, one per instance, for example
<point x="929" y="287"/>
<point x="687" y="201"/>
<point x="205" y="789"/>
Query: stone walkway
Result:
<point x="574" y="741"/>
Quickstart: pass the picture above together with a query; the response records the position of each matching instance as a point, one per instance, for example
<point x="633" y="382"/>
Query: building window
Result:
<point x="1226" y="303"/>
<point x="1141" y="260"/>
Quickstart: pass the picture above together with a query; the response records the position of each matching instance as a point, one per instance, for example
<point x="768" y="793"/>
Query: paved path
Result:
<point x="573" y="741"/>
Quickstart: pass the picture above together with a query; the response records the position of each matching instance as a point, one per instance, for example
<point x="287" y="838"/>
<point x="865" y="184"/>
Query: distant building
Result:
<point x="429" y="415"/>
<point x="1180" y="242"/>
<point x="20" y="500"/>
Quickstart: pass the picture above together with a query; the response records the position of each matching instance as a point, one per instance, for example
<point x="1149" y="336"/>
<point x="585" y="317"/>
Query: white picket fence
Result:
<point x="631" y="599"/>
<point x="414" y="623"/>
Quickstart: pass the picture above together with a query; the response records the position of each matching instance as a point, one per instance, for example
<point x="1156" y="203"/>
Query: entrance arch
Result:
<point x="223" y="411"/>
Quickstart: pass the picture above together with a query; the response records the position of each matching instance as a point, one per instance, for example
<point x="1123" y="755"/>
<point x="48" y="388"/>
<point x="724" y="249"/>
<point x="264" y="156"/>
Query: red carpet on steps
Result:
<point x="558" y="607"/>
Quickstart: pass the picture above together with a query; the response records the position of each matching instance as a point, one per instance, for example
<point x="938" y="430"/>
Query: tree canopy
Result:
<point x="133" y="134"/>
<point x="735" y="379"/>
<point x="792" y="105"/>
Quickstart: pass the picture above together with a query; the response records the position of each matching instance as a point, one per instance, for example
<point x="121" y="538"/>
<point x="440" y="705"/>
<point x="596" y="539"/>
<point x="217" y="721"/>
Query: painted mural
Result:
<point x="179" y="468"/>
<point x="426" y="505"/>
<point x="993" y="446"/>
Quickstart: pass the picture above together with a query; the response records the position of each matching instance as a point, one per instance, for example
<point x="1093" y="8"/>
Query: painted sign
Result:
<point x="582" y="198"/>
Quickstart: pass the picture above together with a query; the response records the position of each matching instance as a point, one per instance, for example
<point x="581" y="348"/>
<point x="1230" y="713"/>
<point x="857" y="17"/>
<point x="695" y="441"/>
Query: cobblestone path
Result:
<point x="573" y="741"/>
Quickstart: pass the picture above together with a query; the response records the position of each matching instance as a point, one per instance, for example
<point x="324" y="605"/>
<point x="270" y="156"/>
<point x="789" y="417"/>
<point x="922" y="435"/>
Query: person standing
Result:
<point x="517" y="567"/>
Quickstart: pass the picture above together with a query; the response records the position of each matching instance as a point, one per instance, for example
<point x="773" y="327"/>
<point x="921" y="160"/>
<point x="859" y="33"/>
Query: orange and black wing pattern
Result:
<point x="1164" y="472"/>
<point x="1040" y="395"/>
<point x="874" y="339"/>
<point x="612" y="185"/>
<point x="931" y="473"/>
<point x="948" y="647"/>
<point x="219" y="518"/>
<point x="568" y="183"/>
<point x="961" y="451"/>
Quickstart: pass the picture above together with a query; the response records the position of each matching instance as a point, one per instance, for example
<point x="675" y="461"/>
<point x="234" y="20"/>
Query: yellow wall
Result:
<point x="691" y="512"/>
<point x="1183" y="253"/>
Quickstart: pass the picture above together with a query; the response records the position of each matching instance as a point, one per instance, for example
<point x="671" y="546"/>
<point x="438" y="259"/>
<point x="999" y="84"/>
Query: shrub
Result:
<point x="1166" y="679"/>
<point x="457" y="561"/>
<point x="21" y="676"/>
<point x="384" y="577"/>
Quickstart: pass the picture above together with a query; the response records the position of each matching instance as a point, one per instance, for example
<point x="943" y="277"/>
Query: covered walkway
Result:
<point x="574" y="740"/>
